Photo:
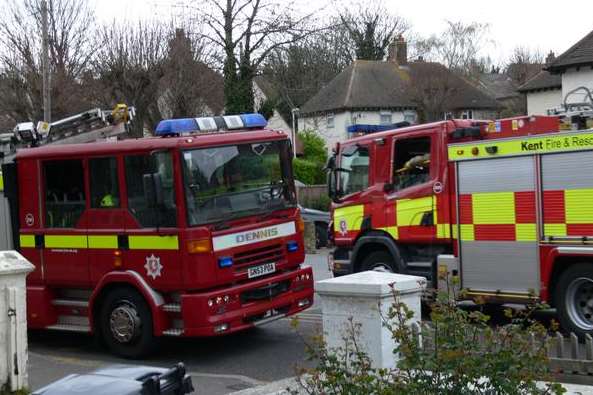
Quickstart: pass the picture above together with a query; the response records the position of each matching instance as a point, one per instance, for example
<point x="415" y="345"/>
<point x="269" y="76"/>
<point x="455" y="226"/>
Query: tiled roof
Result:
<point x="542" y="80"/>
<point x="579" y="54"/>
<point x="386" y="85"/>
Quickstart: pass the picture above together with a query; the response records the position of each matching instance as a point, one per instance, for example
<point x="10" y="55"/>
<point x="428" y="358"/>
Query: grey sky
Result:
<point x="538" y="24"/>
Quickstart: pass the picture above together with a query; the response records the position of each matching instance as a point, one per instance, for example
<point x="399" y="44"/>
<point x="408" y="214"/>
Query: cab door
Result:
<point x="151" y="237"/>
<point x="65" y="254"/>
<point x="414" y="180"/>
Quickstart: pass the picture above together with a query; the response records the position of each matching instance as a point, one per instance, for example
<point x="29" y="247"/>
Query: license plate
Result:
<point x="261" y="270"/>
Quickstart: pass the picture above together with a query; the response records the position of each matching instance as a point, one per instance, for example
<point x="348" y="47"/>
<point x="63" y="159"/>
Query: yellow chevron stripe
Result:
<point x="153" y="242"/>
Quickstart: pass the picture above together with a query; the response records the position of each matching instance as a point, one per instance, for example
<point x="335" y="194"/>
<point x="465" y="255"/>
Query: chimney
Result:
<point x="398" y="51"/>
<point x="550" y="58"/>
<point x="401" y="51"/>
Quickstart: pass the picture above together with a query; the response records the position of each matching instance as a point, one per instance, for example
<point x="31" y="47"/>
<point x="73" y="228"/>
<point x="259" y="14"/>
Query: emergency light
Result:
<point x="177" y="127"/>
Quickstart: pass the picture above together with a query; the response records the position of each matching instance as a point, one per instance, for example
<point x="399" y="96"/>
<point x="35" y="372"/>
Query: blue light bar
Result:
<point x="226" y="261"/>
<point x="176" y="127"/>
<point x="172" y="127"/>
<point x="254" y="121"/>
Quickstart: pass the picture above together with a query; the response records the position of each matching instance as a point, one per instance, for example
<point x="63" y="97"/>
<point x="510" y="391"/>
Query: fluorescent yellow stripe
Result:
<point x="392" y="230"/>
<point x="555" y="230"/>
<point x="467" y="232"/>
<point x="560" y="142"/>
<point x="443" y="231"/>
<point x="27" y="241"/>
<point x="525" y="232"/>
<point x="454" y="233"/>
<point x="579" y="209"/>
<point x="103" y="241"/>
<point x="351" y="215"/>
<point x="410" y="211"/>
<point x="63" y="241"/>
<point x="153" y="242"/>
<point x="1" y="181"/>
<point x="493" y="208"/>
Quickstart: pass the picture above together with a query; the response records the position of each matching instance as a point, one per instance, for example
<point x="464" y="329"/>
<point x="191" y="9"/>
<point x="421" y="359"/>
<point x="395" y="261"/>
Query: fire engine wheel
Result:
<point x="126" y="324"/>
<point x="379" y="261"/>
<point x="574" y="299"/>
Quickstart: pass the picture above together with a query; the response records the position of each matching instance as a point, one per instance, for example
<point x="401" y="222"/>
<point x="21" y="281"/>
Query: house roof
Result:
<point x="497" y="85"/>
<point x="578" y="55"/>
<point x="386" y="85"/>
<point x="542" y="80"/>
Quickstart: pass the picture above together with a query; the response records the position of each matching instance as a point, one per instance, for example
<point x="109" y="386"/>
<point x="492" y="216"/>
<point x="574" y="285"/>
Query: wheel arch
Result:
<point x="373" y="241"/>
<point x="560" y="264"/>
<point x="133" y="281"/>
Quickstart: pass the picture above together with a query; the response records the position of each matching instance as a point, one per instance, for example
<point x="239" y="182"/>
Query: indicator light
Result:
<point x="292" y="246"/>
<point x="226" y="261"/>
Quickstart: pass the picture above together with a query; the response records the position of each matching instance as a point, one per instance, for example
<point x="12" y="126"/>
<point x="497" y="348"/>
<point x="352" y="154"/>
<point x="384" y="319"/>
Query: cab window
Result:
<point x="137" y="167"/>
<point x="411" y="164"/>
<point x="103" y="182"/>
<point x="354" y="170"/>
<point x="65" y="199"/>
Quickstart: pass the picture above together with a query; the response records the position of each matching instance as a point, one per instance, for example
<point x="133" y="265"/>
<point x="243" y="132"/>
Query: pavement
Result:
<point x="217" y="366"/>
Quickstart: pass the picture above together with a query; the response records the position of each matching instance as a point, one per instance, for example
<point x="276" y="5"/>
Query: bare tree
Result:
<point x="189" y="86"/>
<point x="371" y="28"/>
<point x="524" y="63"/>
<point x="129" y="67"/>
<point x="70" y="30"/>
<point x="246" y="32"/>
<point x="300" y="70"/>
<point x="458" y="47"/>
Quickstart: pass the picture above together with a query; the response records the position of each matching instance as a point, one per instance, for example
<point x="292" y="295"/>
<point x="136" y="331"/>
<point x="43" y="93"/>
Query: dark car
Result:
<point x="123" y="380"/>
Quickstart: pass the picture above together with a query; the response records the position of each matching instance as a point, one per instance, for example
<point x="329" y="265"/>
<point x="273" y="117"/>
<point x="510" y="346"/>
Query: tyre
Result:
<point x="574" y="299"/>
<point x="320" y="235"/>
<point x="126" y="326"/>
<point x="380" y="261"/>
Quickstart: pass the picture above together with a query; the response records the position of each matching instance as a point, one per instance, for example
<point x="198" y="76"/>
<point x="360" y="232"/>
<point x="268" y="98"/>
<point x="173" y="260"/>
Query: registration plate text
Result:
<point x="261" y="270"/>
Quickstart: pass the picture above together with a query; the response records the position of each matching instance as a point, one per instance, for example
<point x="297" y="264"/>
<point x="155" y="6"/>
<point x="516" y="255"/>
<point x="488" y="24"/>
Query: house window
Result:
<point x="448" y="115"/>
<point x="410" y="117"/>
<point x="467" y="114"/>
<point x="330" y="121"/>
<point x="386" y="118"/>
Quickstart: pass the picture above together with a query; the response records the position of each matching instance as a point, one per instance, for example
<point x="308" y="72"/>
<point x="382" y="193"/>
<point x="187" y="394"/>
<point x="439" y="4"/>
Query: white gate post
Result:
<point x="366" y="298"/>
<point x="13" y="320"/>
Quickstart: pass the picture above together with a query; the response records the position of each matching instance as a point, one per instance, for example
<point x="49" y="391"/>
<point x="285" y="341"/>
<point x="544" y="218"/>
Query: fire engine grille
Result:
<point x="265" y="293"/>
<point x="259" y="256"/>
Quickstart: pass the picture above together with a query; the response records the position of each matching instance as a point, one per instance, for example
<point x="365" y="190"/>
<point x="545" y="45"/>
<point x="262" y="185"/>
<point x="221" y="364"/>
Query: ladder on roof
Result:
<point x="578" y="112"/>
<point x="87" y="126"/>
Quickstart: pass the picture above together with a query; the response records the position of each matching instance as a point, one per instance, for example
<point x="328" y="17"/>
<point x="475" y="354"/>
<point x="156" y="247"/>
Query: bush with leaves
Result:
<point x="465" y="355"/>
<point x="309" y="168"/>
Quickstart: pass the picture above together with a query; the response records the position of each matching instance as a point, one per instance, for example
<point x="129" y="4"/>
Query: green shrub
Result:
<point x="322" y="203"/>
<point x="313" y="147"/>
<point x="308" y="172"/>
<point x="468" y="356"/>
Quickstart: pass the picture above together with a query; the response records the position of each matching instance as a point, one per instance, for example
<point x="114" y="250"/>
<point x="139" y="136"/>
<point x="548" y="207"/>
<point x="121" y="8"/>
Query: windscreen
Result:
<point x="233" y="181"/>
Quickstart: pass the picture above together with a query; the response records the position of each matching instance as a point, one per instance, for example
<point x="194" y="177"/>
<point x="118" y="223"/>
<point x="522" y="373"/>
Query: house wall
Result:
<point x="573" y="78"/>
<point x="338" y="133"/>
<point x="539" y="102"/>
<point x="276" y="121"/>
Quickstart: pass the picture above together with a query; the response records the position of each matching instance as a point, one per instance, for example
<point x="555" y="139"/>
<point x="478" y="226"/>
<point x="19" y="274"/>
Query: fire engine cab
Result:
<point x="505" y="205"/>
<point x="195" y="232"/>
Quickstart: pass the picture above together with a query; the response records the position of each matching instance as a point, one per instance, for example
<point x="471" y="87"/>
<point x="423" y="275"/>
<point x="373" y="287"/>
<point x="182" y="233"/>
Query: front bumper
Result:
<point x="248" y="305"/>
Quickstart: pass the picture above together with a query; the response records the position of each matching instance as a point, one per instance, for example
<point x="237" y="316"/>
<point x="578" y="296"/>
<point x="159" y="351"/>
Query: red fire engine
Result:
<point x="192" y="233"/>
<point x="505" y="205"/>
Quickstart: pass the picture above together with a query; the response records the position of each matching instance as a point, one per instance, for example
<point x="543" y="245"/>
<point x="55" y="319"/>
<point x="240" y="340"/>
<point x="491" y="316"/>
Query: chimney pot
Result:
<point x="401" y="51"/>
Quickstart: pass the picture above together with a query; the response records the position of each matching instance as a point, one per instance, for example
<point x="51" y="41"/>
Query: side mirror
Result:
<point x="153" y="190"/>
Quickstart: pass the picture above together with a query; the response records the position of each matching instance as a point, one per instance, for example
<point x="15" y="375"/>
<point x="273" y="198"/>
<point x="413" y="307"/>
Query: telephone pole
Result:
<point x="45" y="65"/>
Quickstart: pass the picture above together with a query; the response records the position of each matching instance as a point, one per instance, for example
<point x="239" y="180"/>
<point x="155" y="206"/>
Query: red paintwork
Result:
<point x="188" y="276"/>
